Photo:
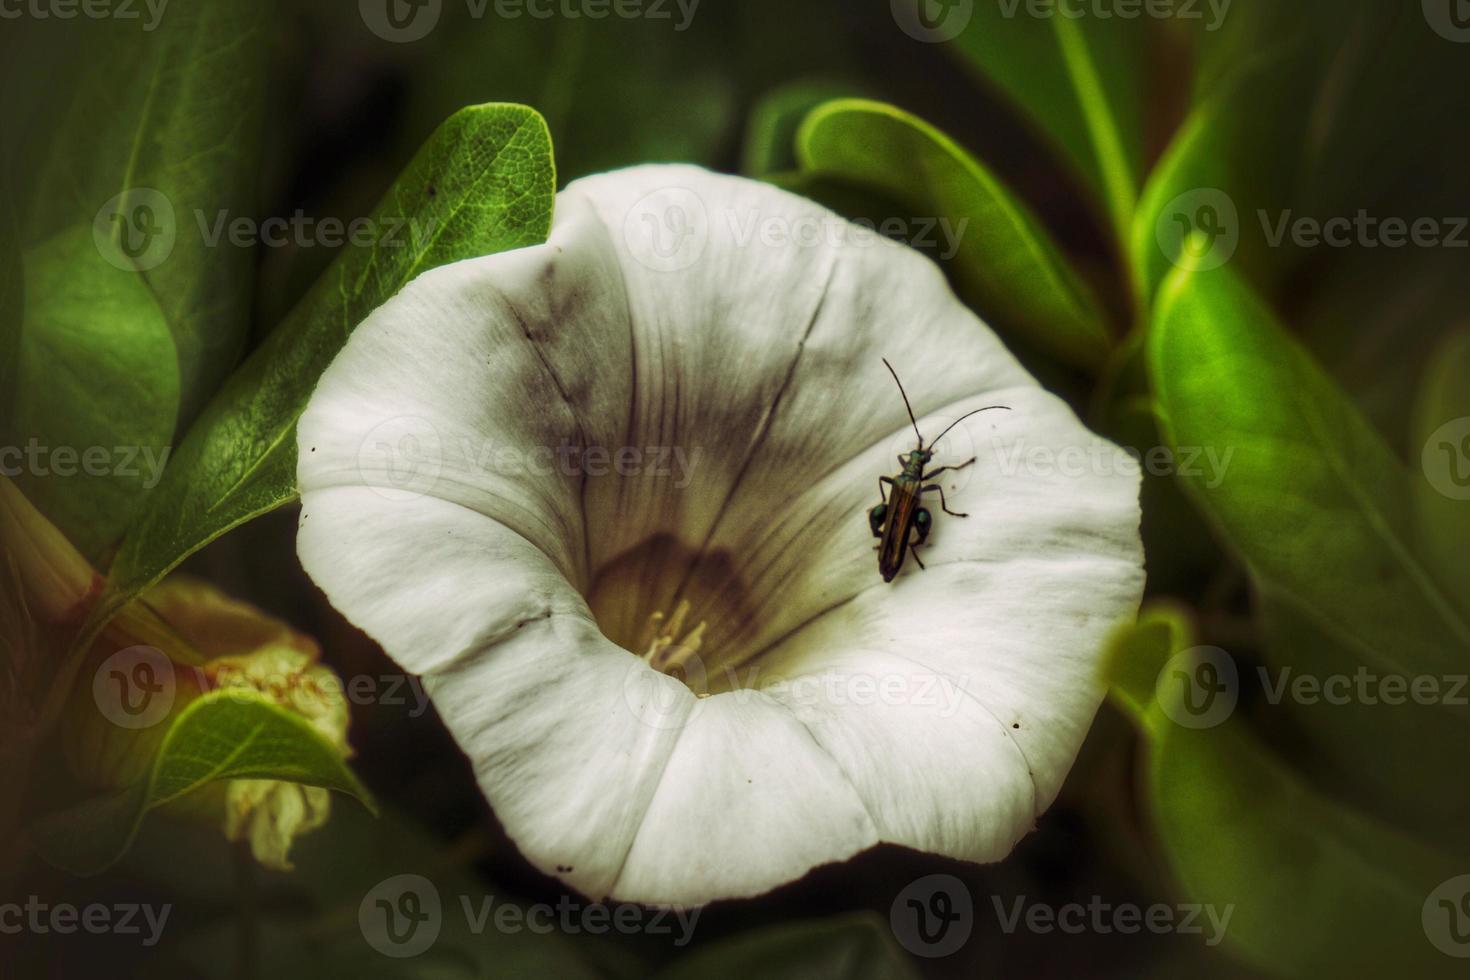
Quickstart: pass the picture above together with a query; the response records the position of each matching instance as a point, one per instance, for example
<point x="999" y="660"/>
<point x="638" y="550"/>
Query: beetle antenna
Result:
<point x="990" y="408"/>
<point x="906" y="404"/>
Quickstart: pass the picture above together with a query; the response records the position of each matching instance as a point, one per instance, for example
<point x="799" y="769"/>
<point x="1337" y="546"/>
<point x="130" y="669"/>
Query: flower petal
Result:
<point x="760" y="358"/>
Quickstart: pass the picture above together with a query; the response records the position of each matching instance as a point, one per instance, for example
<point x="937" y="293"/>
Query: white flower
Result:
<point x="675" y="315"/>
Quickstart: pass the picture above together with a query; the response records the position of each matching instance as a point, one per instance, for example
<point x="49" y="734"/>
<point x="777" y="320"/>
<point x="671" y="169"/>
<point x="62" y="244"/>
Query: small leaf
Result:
<point x="1005" y="262"/>
<point x="1321" y="512"/>
<point x="227" y="734"/>
<point x="855" y="947"/>
<point x="483" y="184"/>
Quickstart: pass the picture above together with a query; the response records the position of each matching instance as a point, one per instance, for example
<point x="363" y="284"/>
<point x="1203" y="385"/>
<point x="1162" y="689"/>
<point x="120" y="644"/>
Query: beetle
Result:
<point x="902" y="516"/>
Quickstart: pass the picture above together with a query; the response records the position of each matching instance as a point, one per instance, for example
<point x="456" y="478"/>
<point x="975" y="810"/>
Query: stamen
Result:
<point x="665" y="650"/>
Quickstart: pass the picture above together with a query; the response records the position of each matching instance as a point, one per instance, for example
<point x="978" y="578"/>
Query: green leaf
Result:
<point x="1442" y="495"/>
<point x="1312" y="887"/>
<point x="1005" y="262"/>
<point x="1081" y="83"/>
<point x="770" y="133"/>
<point x="96" y="391"/>
<point x="164" y="128"/>
<point x="1321" y="512"/>
<point x="483" y="184"/>
<point x="1314" y="110"/>
<point x="226" y="734"/>
<point x="852" y="947"/>
<point x="671" y="102"/>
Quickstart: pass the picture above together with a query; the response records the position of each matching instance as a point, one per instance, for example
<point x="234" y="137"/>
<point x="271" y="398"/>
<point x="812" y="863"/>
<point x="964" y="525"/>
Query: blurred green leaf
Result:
<point x="96" y="391"/>
<point x="226" y="734"/>
<point x="1321" y="512"/>
<point x="853" y="947"/>
<point x="770" y="133"/>
<point x="170" y="112"/>
<point x="608" y="108"/>
<point x="1004" y="260"/>
<point x="1318" y="109"/>
<point x="1081" y="82"/>
<point x="1443" y="429"/>
<point x="1311" y="887"/>
<point x="484" y="184"/>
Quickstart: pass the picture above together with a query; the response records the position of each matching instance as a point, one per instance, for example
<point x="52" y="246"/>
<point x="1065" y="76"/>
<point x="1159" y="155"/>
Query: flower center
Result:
<point x="664" y="603"/>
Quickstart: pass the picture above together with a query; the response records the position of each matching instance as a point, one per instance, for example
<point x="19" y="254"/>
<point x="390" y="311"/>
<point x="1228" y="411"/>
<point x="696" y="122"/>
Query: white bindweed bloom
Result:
<point x="608" y="496"/>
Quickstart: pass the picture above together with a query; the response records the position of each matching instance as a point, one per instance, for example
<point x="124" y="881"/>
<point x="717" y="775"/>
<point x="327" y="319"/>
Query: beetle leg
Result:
<point x="914" y="550"/>
<point x="882" y="481"/>
<point x="942" y="502"/>
<point x="952" y="469"/>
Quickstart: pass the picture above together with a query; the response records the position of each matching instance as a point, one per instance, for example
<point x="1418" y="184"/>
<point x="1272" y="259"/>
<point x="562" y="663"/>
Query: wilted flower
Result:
<point x="684" y="684"/>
